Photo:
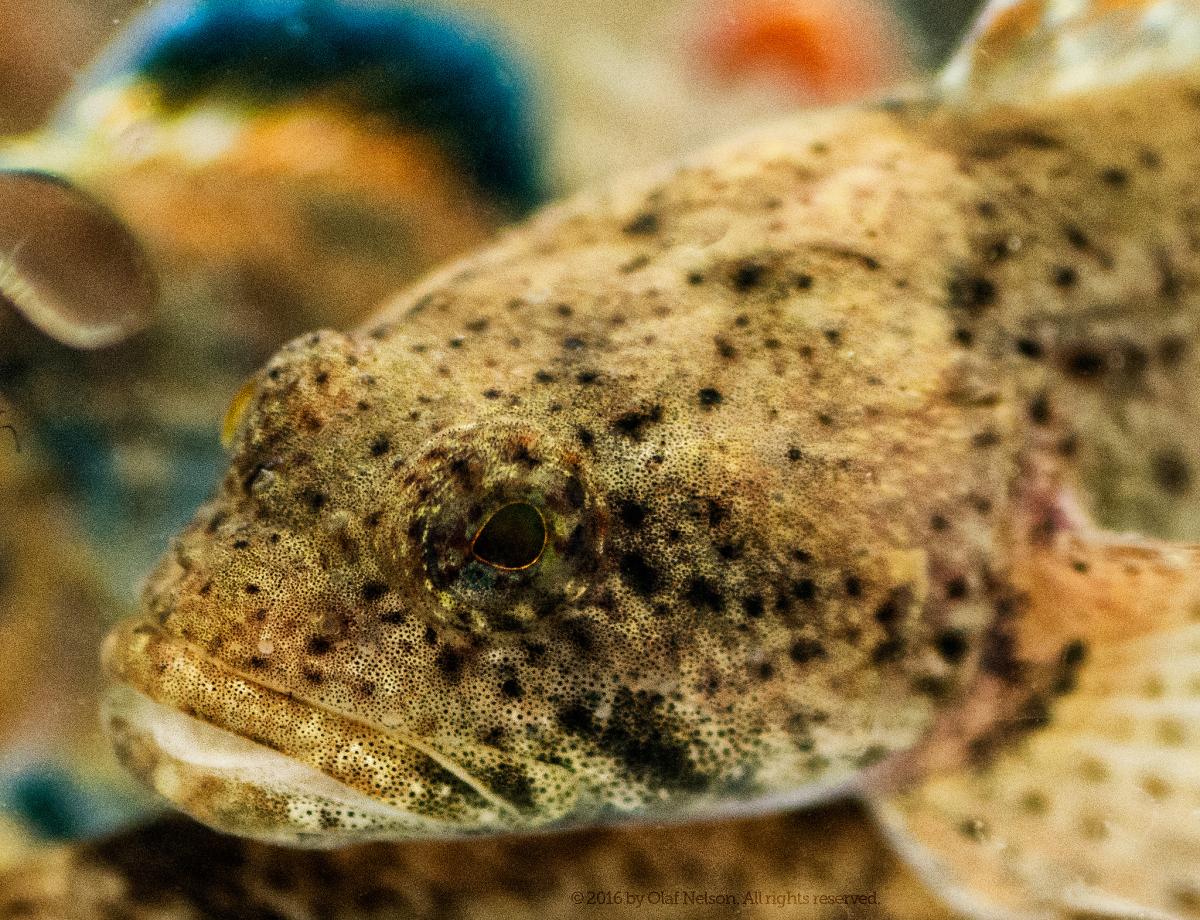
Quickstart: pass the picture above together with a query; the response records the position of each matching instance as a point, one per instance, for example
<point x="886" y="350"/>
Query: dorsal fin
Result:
<point x="1022" y="50"/>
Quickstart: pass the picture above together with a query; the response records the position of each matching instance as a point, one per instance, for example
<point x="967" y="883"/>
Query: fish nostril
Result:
<point x="512" y="539"/>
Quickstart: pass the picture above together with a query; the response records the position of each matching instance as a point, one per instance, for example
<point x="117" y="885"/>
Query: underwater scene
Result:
<point x="671" y="459"/>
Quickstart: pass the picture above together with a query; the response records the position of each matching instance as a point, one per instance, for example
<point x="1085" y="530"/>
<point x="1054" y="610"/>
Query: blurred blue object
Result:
<point x="424" y="68"/>
<point x="54" y="805"/>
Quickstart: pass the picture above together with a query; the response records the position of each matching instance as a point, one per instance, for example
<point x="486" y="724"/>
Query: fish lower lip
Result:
<point x="238" y="786"/>
<point x="213" y="741"/>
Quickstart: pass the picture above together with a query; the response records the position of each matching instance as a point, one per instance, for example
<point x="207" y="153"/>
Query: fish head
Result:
<point x="541" y="547"/>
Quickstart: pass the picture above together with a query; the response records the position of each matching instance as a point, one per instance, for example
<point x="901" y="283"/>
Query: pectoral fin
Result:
<point x="68" y="265"/>
<point x="1086" y="803"/>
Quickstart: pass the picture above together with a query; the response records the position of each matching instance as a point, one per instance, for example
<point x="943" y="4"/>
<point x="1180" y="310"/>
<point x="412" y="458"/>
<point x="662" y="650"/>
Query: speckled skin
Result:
<point x="782" y="410"/>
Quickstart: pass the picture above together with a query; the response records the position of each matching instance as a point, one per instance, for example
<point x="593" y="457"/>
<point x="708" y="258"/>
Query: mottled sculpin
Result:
<point x="776" y="475"/>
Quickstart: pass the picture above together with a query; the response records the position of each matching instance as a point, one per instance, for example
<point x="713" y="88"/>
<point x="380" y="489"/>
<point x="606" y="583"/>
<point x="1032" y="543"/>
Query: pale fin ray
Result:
<point x="1024" y="50"/>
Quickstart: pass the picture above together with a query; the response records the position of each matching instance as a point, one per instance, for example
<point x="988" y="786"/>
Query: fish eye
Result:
<point x="512" y="539"/>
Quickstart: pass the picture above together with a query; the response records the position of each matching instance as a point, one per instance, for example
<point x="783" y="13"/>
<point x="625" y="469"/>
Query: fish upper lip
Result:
<point x="141" y="655"/>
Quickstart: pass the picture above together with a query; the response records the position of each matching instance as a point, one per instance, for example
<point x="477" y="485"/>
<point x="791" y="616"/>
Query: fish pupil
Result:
<point x="513" y="538"/>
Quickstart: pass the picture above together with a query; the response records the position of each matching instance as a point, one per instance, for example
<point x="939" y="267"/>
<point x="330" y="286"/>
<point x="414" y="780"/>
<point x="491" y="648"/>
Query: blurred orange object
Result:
<point x="827" y="50"/>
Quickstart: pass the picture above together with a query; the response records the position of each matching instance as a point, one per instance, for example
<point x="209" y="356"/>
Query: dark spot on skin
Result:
<point x="939" y="523"/>
<point x="695" y="279"/>
<point x="393" y="618"/>
<point x="1076" y="237"/>
<point x="1172" y="472"/>
<point x="710" y="397"/>
<point x="804" y="282"/>
<point x="321" y="378"/>
<point x="632" y="514"/>
<point x="1070" y="660"/>
<point x="241" y="544"/>
<point x="956" y="588"/>
<point x="319" y="645"/>
<point x="1030" y="348"/>
<point x="973" y="294"/>
<point x="854" y="586"/>
<point x="753" y="605"/>
<point x="952" y="645"/>
<point x="1083" y="362"/>
<point x="804" y="589"/>
<point x="747" y="276"/>
<point x="703" y="594"/>
<point x="638" y="574"/>
<point x="888" y="651"/>
<point x="644" y="224"/>
<point x="573" y="343"/>
<point x="380" y="446"/>
<point x="512" y="689"/>
<point x="1115" y="176"/>
<point x="649" y="742"/>
<point x="450" y="662"/>
<point x="586" y="378"/>
<point x="543" y="377"/>
<point x="373" y="591"/>
<point x="577" y="719"/>
<point x="986" y="439"/>
<point x="1066" y="277"/>
<point x="633" y="423"/>
<point x="794" y="454"/>
<point x="431" y="636"/>
<point x="1172" y="350"/>
<point x="252" y="589"/>
<point x="580" y="632"/>
<point x="806" y="650"/>
<point x="717" y="513"/>
<point x="586" y="438"/>
<point x="316" y="500"/>
<point x="964" y="337"/>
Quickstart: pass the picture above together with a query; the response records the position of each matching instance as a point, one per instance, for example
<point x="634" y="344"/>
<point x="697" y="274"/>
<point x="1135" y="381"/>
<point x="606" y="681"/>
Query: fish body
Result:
<point x="774" y="476"/>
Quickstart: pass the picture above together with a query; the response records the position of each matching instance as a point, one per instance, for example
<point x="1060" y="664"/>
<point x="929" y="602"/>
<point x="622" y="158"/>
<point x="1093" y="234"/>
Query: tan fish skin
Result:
<point x="177" y="870"/>
<point x="744" y="593"/>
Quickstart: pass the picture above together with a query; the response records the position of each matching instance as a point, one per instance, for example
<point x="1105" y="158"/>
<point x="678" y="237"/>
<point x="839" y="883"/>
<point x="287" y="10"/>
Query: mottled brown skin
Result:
<point x="177" y="870"/>
<point x="786" y="411"/>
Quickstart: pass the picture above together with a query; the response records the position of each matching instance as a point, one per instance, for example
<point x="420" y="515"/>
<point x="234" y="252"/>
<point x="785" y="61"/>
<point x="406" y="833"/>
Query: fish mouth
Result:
<point x="247" y="759"/>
